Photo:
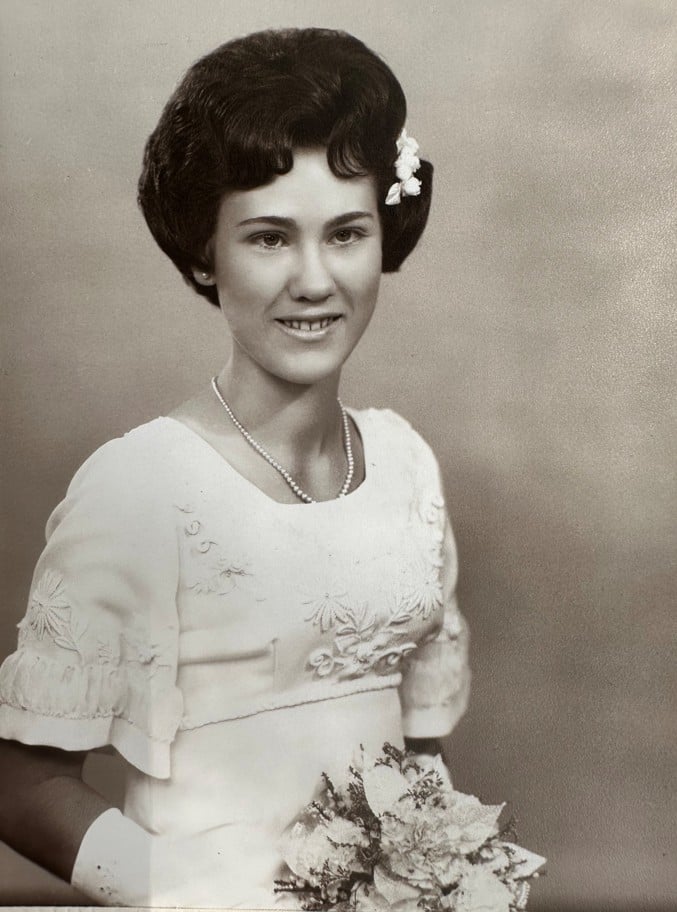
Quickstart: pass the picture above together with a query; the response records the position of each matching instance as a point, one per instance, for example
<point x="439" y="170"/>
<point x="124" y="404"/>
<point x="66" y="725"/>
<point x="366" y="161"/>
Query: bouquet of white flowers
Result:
<point x="399" y="837"/>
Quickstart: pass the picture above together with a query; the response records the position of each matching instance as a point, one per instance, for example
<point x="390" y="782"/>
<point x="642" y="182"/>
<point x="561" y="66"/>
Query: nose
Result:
<point x="312" y="279"/>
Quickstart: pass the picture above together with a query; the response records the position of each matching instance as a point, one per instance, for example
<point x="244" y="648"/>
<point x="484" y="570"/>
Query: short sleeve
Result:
<point x="97" y="648"/>
<point x="436" y="676"/>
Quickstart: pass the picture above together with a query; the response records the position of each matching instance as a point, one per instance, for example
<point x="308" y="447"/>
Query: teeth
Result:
<point x="309" y="325"/>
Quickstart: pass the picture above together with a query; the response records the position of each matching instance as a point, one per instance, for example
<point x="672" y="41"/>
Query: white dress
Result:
<point x="232" y="648"/>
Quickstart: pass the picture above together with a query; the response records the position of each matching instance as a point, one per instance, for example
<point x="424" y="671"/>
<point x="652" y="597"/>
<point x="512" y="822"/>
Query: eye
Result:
<point x="345" y="236"/>
<point x="269" y="240"/>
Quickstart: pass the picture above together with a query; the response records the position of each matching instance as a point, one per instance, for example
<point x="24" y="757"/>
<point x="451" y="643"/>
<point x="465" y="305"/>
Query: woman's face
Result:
<point x="297" y="265"/>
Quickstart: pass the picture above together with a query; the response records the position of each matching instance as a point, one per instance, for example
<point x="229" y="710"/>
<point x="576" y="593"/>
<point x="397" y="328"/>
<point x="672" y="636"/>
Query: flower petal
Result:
<point x="470" y="822"/>
<point x="383" y="786"/>
<point x="394" y="194"/>
<point x="403" y="170"/>
<point x="481" y="891"/>
<point x="411" y="187"/>
<point x="393" y="889"/>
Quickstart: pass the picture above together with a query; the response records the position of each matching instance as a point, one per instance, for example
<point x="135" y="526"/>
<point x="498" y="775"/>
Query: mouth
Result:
<point x="316" y="326"/>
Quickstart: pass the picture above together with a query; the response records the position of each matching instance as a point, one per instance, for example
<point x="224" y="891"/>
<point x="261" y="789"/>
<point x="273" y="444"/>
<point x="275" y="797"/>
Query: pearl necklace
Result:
<point x="300" y="493"/>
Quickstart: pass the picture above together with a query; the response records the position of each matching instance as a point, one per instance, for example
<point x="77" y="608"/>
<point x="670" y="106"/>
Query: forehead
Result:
<point x="309" y="192"/>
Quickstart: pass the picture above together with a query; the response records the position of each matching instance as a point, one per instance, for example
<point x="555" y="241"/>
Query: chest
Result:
<point x="307" y="595"/>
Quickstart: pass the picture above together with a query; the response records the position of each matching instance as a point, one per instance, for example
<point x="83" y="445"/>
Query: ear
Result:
<point x="202" y="277"/>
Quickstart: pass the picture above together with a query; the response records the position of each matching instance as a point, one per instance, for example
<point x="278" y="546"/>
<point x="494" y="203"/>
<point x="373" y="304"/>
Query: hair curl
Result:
<point x="235" y="118"/>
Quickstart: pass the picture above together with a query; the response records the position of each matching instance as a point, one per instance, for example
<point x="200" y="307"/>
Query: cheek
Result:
<point x="367" y="278"/>
<point x="363" y="271"/>
<point x="247" y="282"/>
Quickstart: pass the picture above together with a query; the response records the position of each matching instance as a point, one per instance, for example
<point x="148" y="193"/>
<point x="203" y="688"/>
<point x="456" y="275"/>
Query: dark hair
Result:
<point x="238" y="113"/>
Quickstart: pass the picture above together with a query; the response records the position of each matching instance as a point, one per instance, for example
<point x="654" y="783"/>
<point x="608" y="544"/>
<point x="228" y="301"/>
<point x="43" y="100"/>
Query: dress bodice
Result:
<point x="290" y="604"/>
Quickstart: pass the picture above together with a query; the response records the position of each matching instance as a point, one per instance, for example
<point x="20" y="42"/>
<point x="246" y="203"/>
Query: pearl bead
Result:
<point x="296" y="489"/>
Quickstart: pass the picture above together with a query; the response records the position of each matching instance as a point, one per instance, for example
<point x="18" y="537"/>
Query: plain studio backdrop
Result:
<point x="530" y="339"/>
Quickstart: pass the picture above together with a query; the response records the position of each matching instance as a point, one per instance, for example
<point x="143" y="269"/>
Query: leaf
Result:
<point x="526" y="863"/>
<point x="65" y="643"/>
<point x="393" y="889"/>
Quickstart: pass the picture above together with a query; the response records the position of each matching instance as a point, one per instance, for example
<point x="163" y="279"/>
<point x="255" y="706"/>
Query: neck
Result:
<point x="299" y="419"/>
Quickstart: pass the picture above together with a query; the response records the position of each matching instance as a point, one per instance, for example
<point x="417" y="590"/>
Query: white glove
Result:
<point x="121" y="864"/>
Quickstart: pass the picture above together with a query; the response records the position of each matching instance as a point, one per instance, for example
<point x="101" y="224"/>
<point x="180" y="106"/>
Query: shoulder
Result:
<point x="393" y="431"/>
<point x="143" y="453"/>
<point x="128" y="476"/>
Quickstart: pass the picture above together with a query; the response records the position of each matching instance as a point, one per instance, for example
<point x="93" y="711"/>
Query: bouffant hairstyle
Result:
<point x="235" y="118"/>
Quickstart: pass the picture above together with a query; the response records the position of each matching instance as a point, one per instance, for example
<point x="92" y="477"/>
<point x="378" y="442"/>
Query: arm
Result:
<point x="430" y="746"/>
<point x="45" y="807"/>
<point x="95" y="663"/>
<point x="436" y="679"/>
<point x="49" y="815"/>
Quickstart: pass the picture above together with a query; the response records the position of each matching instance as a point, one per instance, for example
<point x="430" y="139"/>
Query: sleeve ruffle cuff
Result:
<point x="436" y="685"/>
<point x="81" y="707"/>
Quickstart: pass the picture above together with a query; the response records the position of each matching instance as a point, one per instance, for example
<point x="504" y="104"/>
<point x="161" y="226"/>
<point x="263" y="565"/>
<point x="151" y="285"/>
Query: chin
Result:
<point x="308" y="369"/>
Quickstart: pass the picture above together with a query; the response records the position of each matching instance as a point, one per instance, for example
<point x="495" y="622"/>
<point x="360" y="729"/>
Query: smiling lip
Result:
<point x="316" y="328"/>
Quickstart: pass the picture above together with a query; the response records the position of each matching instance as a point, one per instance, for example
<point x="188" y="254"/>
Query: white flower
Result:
<point x="397" y="893"/>
<point x="411" y="187"/>
<point x="306" y="848"/>
<point x="470" y="823"/>
<point x="394" y="194"/>
<point x="383" y="786"/>
<point x="368" y="898"/>
<point x="406" y="164"/>
<point x="481" y="891"/>
<point x="406" y="144"/>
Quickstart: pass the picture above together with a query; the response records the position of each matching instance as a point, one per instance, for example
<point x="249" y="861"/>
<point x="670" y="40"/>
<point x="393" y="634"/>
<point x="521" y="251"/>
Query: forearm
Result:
<point x="48" y="823"/>
<point x="45" y="807"/>
<point x="424" y="745"/>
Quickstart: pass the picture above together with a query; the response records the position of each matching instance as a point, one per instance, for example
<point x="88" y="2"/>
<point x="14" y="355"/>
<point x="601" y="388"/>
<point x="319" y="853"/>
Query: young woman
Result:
<point x="240" y="594"/>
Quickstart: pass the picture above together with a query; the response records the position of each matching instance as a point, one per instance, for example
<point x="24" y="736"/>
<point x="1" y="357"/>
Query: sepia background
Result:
<point x="531" y="339"/>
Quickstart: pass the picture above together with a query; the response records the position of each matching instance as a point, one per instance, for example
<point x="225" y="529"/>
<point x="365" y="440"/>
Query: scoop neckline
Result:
<point x="353" y="495"/>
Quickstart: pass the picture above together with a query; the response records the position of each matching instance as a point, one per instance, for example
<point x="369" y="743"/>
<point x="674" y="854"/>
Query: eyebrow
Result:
<point x="283" y="222"/>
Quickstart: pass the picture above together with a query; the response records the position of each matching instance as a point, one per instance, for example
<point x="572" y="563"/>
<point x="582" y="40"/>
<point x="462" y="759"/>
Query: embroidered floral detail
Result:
<point x="49" y="609"/>
<point x="322" y="661"/>
<point x="421" y="591"/>
<point x="222" y="576"/>
<point x="360" y="646"/>
<point x="71" y="638"/>
<point x="49" y="613"/>
<point x="326" y="607"/>
<point x="204" y="546"/>
<point x="146" y="654"/>
<point x="354" y="636"/>
<point x="389" y="660"/>
<point x="431" y="507"/>
<point x="106" y="654"/>
<point x="212" y="571"/>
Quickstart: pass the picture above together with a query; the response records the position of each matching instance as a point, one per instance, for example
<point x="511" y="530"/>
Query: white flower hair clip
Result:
<point x="406" y="164"/>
